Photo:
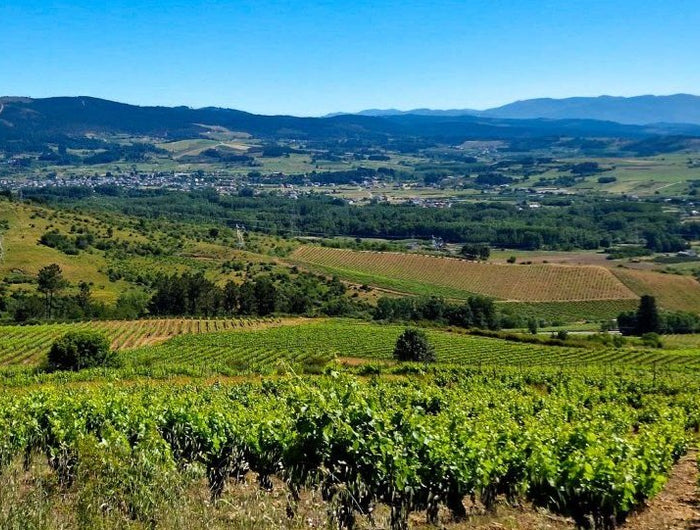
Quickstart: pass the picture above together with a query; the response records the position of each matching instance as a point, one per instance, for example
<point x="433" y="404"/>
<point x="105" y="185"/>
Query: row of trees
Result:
<point x="476" y="312"/>
<point x="648" y="319"/>
<point x="303" y="293"/>
<point x="186" y="294"/>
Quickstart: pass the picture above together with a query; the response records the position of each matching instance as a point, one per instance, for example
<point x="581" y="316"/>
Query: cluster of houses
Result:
<point x="131" y="180"/>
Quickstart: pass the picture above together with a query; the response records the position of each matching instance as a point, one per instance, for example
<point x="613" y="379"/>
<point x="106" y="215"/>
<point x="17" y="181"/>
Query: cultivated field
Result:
<point x="672" y="292"/>
<point x="317" y="342"/>
<point x="343" y="452"/>
<point x="454" y="278"/>
<point x="573" y="311"/>
<point x="28" y="344"/>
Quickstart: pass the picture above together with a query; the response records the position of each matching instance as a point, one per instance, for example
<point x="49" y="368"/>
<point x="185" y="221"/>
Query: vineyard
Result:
<point x="454" y="278"/>
<point x="573" y="311"/>
<point x="672" y="292"/>
<point x="28" y="344"/>
<point x="592" y="448"/>
<point x="315" y="343"/>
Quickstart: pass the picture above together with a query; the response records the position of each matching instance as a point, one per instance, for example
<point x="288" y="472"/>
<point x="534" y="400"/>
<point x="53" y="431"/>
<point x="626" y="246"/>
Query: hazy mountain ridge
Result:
<point x="637" y="110"/>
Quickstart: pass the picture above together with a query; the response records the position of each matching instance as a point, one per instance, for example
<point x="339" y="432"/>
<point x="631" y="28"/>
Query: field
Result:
<point x="567" y="312"/>
<point x="342" y="451"/>
<point x="672" y="291"/>
<point x="419" y="274"/>
<point x="28" y="344"/>
<point x="313" y="344"/>
<point x="275" y="423"/>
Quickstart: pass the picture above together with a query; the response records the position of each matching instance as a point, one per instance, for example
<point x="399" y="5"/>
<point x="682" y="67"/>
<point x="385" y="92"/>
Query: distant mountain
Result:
<point x="24" y="121"/>
<point x="638" y="110"/>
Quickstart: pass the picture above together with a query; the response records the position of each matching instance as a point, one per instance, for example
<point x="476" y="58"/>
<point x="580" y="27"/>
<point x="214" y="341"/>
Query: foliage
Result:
<point x="50" y="281"/>
<point x="475" y="251"/>
<point x="261" y="295"/>
<point x="413" y="345"/>
<point x="78" y="350"/>
<point x="586" y="223"/>
<point x="476" y="311"/>
<point x="589" y="446"/>
<point x="647" y="319"/>
<point x="243" y="351"/>
<point x="27" y="344"/>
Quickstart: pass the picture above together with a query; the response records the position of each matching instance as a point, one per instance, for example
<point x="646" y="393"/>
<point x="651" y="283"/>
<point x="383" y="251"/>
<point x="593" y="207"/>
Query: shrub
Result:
<point x="652" y="340"/>
<point x="413" y="345"/>
<point x="561" y="335"/>
<point x="77" y="350"/>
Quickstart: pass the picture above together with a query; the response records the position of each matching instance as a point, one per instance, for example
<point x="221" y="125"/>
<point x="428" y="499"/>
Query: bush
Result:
<point x="412" y="345"/>
<point x="560" y="335"/>
<point x="652" y="340"/>
<point x="77" y="350"/>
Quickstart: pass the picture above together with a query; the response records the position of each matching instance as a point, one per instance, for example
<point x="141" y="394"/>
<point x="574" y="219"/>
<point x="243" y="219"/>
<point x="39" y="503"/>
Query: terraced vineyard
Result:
<point x="316" y="342"/>
<point x="454" y="278"/>
<point x="27" y="344"/>
<point x="672" y="292"/>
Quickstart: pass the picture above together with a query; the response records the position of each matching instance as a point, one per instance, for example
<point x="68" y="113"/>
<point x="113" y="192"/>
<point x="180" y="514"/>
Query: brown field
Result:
<point x="673" y="292"/>
<point x="419" y="274"/>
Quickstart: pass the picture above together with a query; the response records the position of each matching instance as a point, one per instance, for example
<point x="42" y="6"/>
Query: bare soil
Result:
<point x="677" y="507"/>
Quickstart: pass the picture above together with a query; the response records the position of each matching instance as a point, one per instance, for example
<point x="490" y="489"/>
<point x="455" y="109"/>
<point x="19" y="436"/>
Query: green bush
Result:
<point x="412" y="345"/>
<point x="652" y="340"/>
<point x="77" y="350"/>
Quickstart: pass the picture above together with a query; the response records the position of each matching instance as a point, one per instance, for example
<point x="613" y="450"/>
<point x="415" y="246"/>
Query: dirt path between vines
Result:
<point x="677" y="507"/>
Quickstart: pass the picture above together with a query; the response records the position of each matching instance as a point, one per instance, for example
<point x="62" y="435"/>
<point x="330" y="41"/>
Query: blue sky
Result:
<point x="311" y="58"/>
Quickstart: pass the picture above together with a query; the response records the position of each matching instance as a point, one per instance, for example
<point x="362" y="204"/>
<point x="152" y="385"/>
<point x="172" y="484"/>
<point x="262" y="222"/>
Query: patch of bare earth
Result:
<point x="677" y="507"/>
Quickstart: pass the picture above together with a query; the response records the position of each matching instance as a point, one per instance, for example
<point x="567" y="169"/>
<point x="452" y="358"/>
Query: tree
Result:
<point x="413" y="345"/>
<point x="50" y="281"/>
<point x="265" y="296"/>
<point x="648" y="320"/>
<point x="476" y="251"/>
<point x="77" y="350"/>
<point x="84" y="298"/>
<point x="532" y="326"/>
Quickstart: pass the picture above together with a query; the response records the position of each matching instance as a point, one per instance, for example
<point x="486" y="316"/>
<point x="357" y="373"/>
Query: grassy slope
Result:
<point x="24" y="255"/>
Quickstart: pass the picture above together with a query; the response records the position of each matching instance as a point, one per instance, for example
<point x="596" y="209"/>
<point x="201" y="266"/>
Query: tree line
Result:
<point x="574" y="223"/>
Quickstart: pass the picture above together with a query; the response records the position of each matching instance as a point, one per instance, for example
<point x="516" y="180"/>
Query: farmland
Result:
<point x="28" y="344"/>
<point x="171" y="242"/>
<point x="573" y="311"/>
<point x="419" y="274"/>
<point x="673" y="292"/>
<point x="313" y="344"/>
<point x="589" y="449"/>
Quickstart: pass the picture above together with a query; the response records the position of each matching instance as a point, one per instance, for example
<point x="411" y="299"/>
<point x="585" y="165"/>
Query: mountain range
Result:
<point x="638" y="110"/>
<point x="37" y="121"/>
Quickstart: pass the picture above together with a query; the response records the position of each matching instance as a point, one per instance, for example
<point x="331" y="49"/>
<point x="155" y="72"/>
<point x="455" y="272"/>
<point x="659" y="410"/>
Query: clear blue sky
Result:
<point x="311" y="58"/>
